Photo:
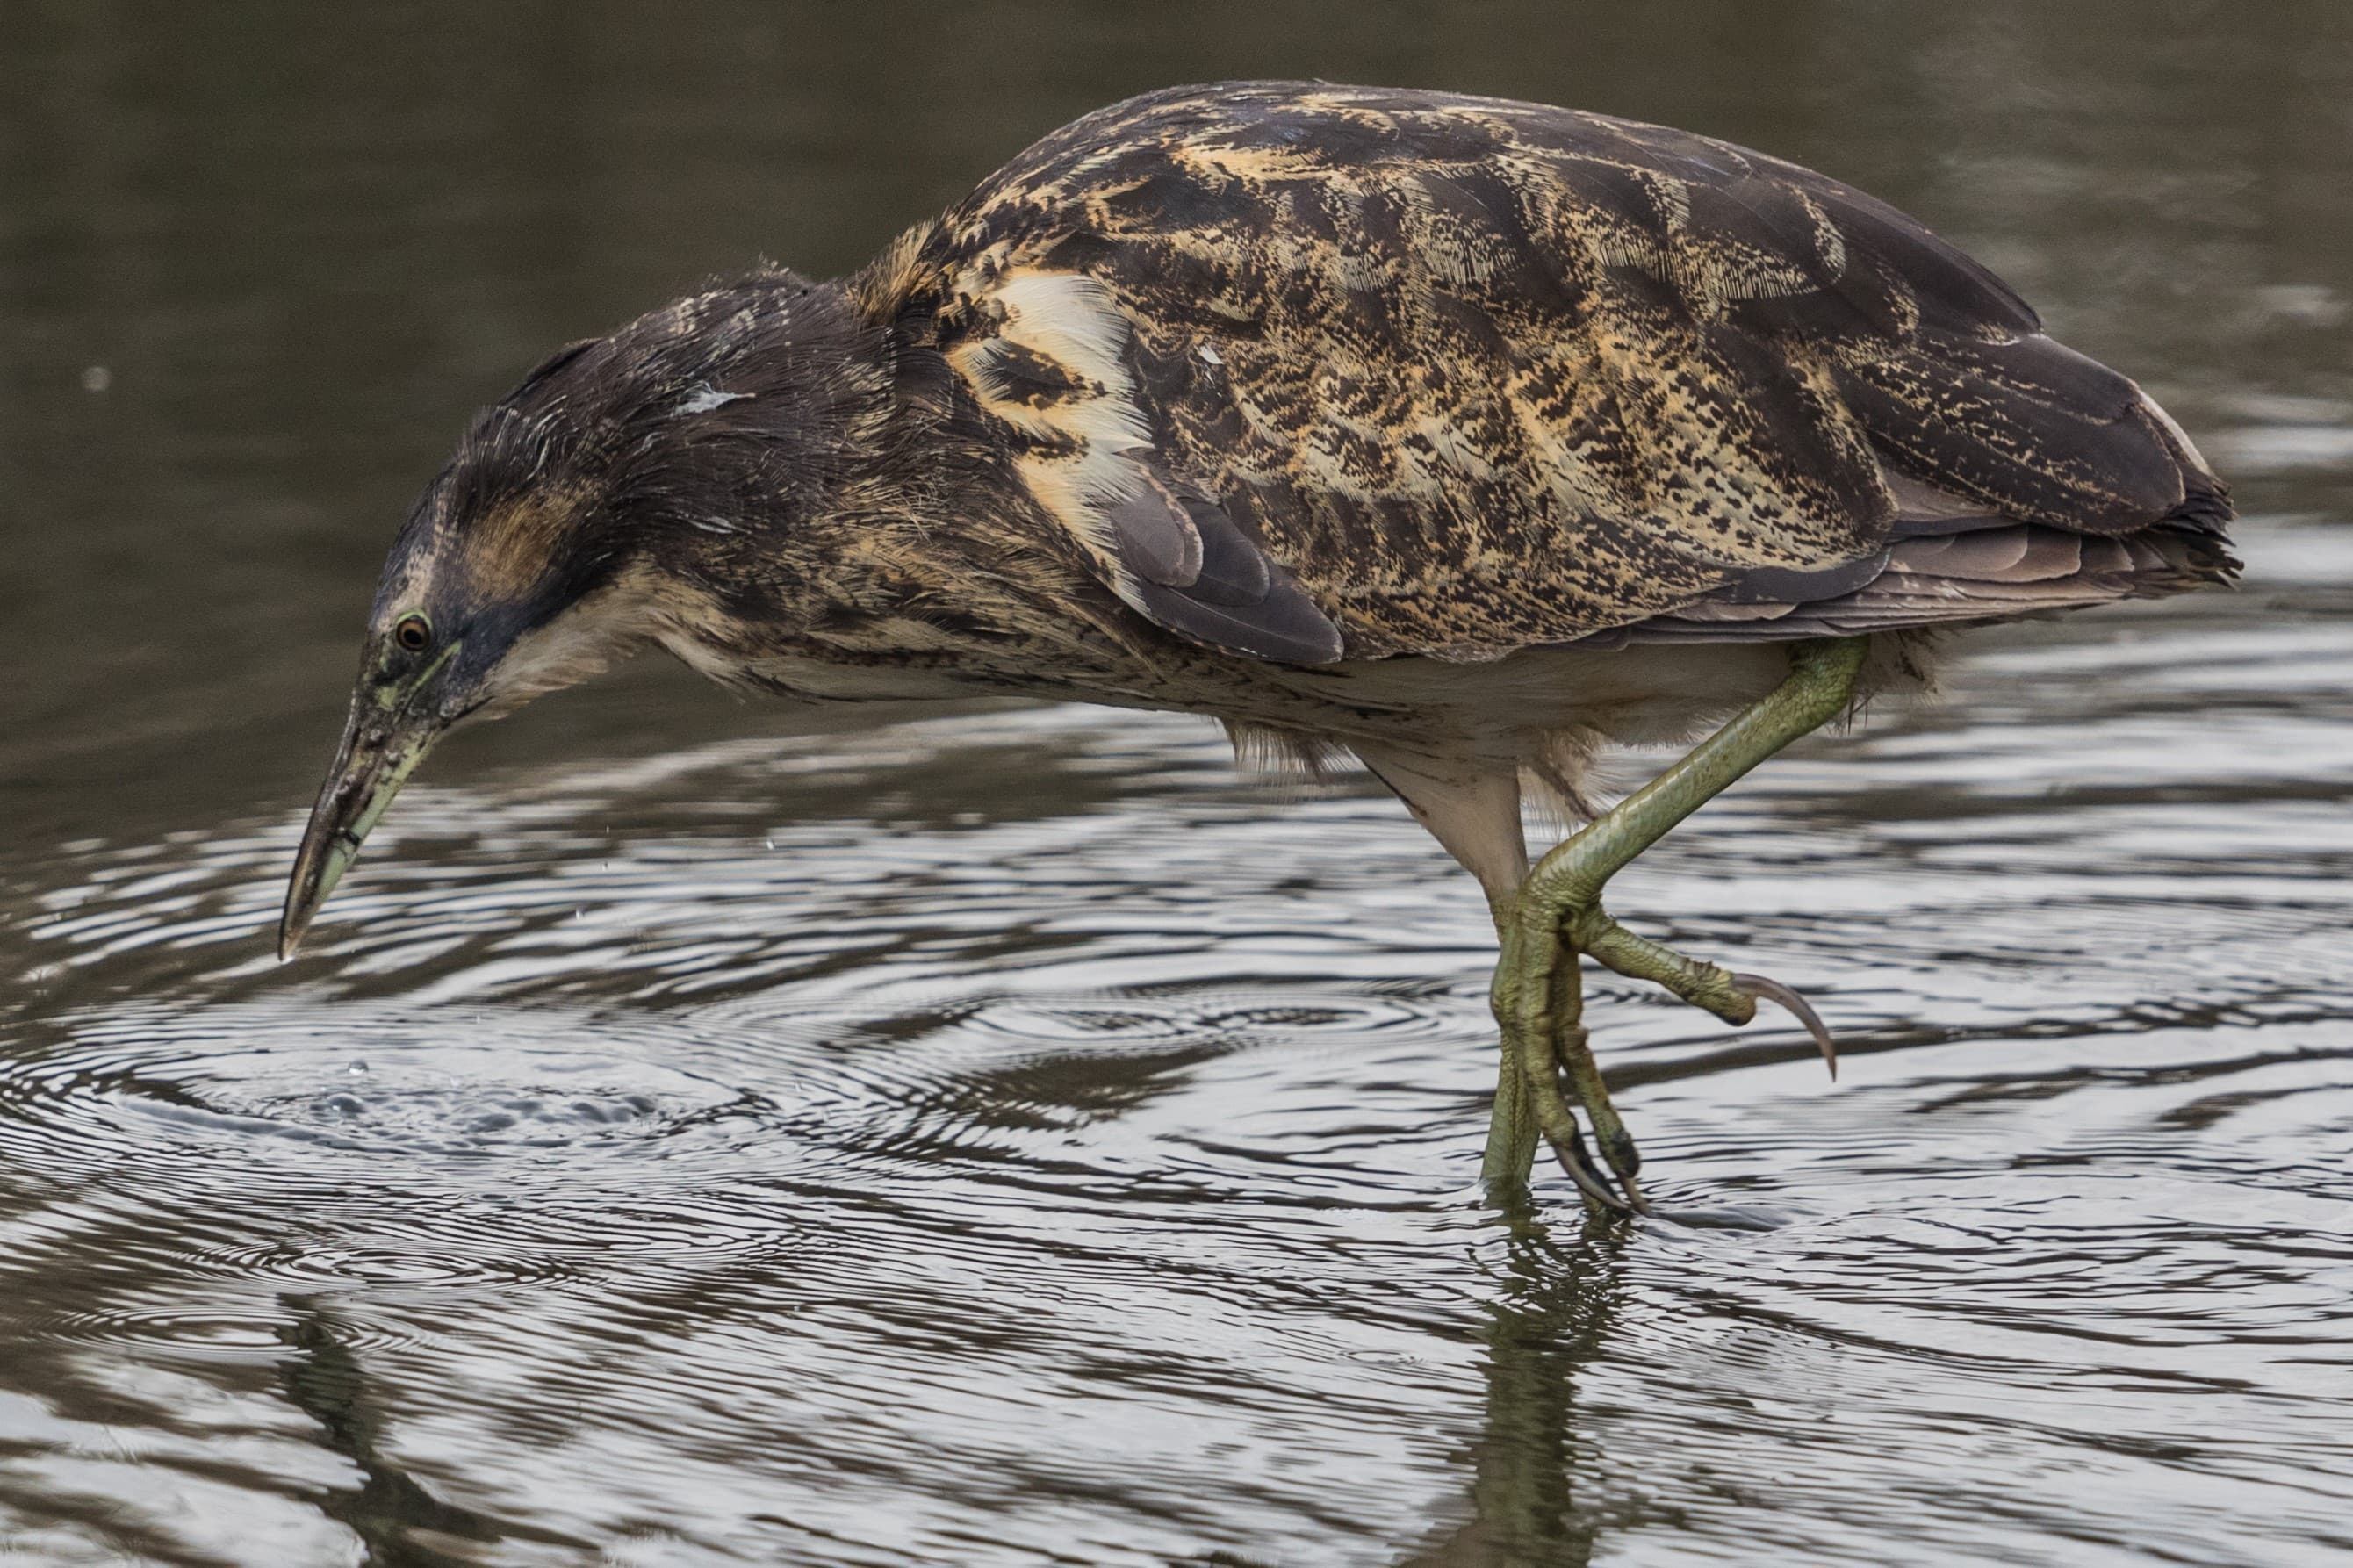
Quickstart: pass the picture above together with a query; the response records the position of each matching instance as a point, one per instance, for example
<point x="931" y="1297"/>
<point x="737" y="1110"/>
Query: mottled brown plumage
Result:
<point x="1224" y="385"/>
<point x="1478" y="376"/>
<point x="1462" y="434"/>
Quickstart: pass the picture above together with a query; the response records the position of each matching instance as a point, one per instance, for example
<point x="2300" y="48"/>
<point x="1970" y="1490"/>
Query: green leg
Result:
<point x="1558" y="914"/>
<point x="1511" y="1130"/>
<point x="1520" y="1112"/>
<point x="1512" y="1127"/>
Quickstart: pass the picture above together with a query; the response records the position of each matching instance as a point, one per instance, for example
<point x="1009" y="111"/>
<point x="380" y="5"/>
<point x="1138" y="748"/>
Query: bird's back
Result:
<point x="1310" y="371"/>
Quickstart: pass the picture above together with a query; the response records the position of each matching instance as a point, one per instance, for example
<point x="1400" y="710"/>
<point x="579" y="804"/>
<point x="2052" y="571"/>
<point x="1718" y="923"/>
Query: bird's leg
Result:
<point x="1558" y="914"/>
<point x="1474" y="811"/>
<point x="1512" y="1126"/>
<point x="1527" y="1096"/>
<point x="1540" y="1012"/>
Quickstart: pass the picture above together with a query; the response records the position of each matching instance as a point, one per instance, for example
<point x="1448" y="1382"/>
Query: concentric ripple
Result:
<point x="1068" y="1154"/>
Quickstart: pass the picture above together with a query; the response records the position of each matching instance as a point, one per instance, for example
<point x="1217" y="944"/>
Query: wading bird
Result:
<point x="1466" y="436"/>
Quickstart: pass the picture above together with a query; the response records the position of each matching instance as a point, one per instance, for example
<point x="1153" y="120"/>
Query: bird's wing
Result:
<point x="1310" y="370"/>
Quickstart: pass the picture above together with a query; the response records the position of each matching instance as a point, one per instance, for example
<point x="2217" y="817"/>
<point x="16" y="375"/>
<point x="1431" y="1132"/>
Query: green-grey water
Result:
<point x="706" y="1134"/>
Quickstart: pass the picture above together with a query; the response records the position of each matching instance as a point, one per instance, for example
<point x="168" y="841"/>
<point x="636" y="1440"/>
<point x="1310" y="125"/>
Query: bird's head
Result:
<point x="622" y="489"/>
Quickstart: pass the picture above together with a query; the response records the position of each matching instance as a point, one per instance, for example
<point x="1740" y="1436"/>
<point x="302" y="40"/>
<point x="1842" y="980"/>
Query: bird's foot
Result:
<point x="1539" y="1003"/>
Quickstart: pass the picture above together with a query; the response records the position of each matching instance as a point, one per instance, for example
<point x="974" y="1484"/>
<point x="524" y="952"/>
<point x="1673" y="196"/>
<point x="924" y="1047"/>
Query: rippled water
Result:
<point x="1010" y="1137"/>
<point x="1005" y="1139"/>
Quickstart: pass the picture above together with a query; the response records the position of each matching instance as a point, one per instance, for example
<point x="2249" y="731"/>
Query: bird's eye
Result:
<point x="413" y="632"/>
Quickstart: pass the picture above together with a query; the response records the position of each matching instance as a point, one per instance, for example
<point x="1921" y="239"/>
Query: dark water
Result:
<point x="709" y="1134"/>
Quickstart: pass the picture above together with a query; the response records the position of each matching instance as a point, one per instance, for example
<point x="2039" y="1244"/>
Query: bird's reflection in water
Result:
<point x="1558" y="1294"/>
<point x="393" y="1516"/>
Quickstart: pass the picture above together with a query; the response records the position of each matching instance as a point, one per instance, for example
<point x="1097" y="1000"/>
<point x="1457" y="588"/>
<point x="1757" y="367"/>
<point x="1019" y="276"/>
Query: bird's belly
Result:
<point x="1648" y="696"/>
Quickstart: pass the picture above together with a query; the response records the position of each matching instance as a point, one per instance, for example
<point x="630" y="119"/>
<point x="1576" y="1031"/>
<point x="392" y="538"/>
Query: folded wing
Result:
<point x="1310" y="371"/>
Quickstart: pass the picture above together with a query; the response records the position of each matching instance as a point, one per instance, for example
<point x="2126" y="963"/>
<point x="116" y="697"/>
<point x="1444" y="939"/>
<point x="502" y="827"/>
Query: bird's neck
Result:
<point x="846" y="531"/>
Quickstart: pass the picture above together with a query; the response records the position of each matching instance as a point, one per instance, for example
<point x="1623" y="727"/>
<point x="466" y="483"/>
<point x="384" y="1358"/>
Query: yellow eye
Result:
<point x="413" y="632"/>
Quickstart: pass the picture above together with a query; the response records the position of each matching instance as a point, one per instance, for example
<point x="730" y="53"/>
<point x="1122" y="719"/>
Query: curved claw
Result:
<point x="1773" y="991"/>
<point x="1576" y="1160"/>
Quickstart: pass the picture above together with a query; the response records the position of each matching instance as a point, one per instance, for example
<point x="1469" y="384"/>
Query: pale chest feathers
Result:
<point x="810" y="679"/>
<point x="894" y="660"/>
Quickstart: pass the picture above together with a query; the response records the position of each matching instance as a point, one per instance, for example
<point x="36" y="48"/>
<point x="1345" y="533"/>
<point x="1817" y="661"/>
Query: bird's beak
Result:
<point x="382" y="745"/>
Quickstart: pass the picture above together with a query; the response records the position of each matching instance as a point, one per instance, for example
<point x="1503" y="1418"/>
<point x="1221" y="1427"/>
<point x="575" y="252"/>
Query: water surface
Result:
<point x="706" y="1134"/>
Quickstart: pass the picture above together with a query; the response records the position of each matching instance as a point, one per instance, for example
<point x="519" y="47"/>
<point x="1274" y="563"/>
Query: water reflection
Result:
<point x="1552" y="1310"/>
<point x="396" y="1520"/>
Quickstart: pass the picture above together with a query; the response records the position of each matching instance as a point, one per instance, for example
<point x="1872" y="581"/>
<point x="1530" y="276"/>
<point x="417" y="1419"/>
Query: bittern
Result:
<point x="1465" y="435"/>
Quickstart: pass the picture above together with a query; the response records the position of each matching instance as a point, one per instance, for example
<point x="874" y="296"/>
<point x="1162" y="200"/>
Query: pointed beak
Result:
<point x="381" y="748"/>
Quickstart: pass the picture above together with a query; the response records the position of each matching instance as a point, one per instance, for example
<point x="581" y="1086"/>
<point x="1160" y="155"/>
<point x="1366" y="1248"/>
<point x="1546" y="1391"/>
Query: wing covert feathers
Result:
<point x="1051" y="365"/>
<point x="1304" y="370"/>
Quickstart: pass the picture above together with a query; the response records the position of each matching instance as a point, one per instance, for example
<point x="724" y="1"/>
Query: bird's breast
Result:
<point x="820" y="679"/>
